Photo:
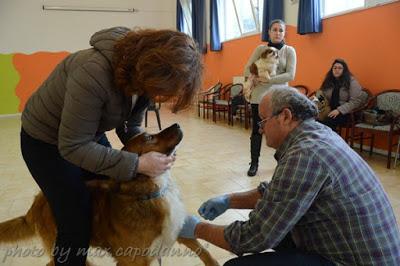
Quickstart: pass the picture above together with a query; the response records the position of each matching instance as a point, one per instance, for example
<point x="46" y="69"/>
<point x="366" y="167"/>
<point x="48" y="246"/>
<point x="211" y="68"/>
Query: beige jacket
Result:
<point x="285" y="72"/>
<point x="348" y="99"/>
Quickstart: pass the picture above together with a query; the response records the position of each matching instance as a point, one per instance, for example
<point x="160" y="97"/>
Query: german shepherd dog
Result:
<point x="144" y="214"/>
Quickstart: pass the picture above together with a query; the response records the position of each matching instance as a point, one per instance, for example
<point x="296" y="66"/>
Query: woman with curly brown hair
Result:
<point x="92" y="91"/>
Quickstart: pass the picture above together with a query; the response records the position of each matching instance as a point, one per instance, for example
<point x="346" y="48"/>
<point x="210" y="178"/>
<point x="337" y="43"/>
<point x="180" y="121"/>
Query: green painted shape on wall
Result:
<point x="9" y="79"/>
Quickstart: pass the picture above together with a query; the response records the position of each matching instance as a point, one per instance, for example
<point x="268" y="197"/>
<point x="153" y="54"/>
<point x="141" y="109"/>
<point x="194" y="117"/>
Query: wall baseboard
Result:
<point x="375" y="151"/>
<point x="10" y="115"/>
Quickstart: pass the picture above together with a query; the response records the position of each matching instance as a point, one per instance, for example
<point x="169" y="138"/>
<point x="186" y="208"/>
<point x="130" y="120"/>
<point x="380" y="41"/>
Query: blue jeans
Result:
<point x="285" y="254"/>
<point x="63" y="185"/>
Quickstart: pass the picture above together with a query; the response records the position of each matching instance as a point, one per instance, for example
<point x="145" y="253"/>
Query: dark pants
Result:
<point x="285" y="254"/>
<point x="256" y="137"/>
<point x="236" y="101"/>
<point x="333" y="123"/>
<point x="63" y="184"/>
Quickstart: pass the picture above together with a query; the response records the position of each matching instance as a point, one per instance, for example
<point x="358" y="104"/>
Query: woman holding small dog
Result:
<point x="285" y="72"/>
<point x="108" y="86"/>
<point x="342" y="91"/>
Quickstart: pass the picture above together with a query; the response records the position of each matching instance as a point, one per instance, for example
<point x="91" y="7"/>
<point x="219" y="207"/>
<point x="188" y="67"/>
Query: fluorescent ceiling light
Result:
<point x="83" y="8"/>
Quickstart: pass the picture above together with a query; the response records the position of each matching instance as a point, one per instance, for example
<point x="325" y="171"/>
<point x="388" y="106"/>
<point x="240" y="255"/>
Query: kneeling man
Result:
<point x="323" y="206"/>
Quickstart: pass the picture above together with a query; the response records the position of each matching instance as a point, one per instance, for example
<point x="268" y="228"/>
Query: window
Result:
<point x="187" y="16"/>
<point x="236" y="17"/>
<point x="239" y="18"/>
<point x="330" y="7"/>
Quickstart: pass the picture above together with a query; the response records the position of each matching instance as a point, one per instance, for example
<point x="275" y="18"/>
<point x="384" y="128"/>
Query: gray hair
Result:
<point x="301" y="107"/>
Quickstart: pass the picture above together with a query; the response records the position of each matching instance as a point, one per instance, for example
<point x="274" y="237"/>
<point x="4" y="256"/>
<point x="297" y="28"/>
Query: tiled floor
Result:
<point x="213" y="159"/>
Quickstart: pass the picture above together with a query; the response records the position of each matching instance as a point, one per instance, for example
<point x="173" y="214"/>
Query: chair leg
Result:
<point x="145" y="119"/>
<point x="397" y="153"/>
<point x="361" y="141"/>
<point x="347" y="135"/>
<point x="371" y="149"/>
<point x="198" y="109"/>
<point x="390" y="146"/>
<point x="158" y="118"/>
<point x="352" y="134"/>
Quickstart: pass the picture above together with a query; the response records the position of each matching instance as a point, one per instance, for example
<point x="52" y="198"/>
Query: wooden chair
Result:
<point x="205" y="99"/>
<point x="234" y="90"/>
<point x="244" y="111"/>
<point x="388" y="101"/>
<point x="302" y="89"/>
<point x="156" y="109"/>
<point x="355" y="117"/>
<point x="220" y="101"/>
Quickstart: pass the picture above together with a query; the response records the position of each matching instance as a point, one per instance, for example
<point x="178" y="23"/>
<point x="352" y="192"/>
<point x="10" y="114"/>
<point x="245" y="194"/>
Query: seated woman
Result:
<point x="342" y="91"/>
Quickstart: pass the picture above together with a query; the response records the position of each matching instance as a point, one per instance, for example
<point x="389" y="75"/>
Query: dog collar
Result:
<point x="156" y="194"/>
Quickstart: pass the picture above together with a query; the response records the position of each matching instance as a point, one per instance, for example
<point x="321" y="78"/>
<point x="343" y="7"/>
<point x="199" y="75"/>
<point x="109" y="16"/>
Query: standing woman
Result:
<point x="285" y="73"/>
<point x="105" y="87"/>
<point x="343" y="92"/>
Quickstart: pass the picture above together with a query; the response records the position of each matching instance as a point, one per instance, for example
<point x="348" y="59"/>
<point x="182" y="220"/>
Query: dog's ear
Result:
<point x="264" y="54"/>
<point x="254" y="69"/>
<point x="134" y="144"/>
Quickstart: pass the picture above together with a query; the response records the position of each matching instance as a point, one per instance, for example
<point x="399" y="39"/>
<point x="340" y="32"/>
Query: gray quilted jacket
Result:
<point x="79" y="102"/>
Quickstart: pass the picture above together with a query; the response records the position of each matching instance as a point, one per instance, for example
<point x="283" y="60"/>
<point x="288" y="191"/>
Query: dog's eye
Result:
<point x="148" y="138"/>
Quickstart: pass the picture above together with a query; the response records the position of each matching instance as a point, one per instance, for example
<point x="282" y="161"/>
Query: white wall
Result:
<point x="26" y="28"/>
<point x="290" y="10"/>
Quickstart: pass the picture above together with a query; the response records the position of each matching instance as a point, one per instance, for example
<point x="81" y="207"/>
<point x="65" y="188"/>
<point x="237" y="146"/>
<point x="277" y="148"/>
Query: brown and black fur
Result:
<point x="121" y="219"/>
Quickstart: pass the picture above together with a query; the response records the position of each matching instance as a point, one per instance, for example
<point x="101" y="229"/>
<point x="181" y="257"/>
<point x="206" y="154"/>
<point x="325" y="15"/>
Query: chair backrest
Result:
<point x="389" y="100"/>
<point x="302" y="89"/>
<point x="367" y="98"/>
<point x="236" y="89"/>
<point x="215" y="88"/>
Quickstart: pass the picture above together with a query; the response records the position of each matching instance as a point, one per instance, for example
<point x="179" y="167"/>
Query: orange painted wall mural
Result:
<point x="33" y="70"/>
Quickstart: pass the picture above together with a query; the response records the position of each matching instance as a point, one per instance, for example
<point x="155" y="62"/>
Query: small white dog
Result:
<point x="264" y="67"/>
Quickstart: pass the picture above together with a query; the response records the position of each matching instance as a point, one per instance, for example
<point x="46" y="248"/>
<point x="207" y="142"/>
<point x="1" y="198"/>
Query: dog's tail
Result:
<point x="17" y="229"/>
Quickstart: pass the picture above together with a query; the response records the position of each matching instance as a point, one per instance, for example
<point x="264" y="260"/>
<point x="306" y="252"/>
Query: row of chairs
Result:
<point x="218" y="99"/>
<point x="357" y="129"/>
<point x="387" y="101"/>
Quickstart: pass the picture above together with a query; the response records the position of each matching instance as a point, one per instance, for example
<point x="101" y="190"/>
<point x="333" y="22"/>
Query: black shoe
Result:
<point x="252" y="170"/>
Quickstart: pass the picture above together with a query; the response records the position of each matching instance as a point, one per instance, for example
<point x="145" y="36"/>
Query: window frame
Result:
<point x="256" y="20"/>
<point x="367" y="4"/>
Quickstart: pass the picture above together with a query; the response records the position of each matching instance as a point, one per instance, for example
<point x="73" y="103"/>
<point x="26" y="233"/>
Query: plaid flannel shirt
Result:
<point x="327" y="197"/>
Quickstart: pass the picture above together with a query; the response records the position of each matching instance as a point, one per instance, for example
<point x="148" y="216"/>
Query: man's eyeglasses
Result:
<point x="262" y="122"/>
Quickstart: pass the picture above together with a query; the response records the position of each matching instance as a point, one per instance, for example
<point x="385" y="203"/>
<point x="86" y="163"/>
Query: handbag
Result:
<point x="376" y="117"/>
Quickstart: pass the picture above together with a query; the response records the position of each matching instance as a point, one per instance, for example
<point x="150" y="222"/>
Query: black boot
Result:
<point x="255" y="147"/>
<point x="253" y="169"/>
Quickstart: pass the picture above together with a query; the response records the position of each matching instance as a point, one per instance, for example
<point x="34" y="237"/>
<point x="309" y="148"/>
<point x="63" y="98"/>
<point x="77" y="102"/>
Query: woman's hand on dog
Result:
<point x="154" y="163"/>
<point x="334" y="113"/>
<point x="253" y="79"/>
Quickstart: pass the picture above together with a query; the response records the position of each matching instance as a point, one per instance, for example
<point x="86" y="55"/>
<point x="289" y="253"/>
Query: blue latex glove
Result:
<point x="214" y="207"/>
<point x="189" y="226"/>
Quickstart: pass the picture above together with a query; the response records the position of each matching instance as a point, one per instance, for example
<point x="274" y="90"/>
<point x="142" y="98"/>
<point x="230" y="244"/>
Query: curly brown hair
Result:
<point x="163" y="64"/>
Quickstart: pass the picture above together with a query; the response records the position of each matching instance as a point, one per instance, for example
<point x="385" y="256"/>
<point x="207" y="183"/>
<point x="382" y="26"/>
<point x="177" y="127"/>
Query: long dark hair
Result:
<point x="343" y="80"/>
<point x="158" y="63"/>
